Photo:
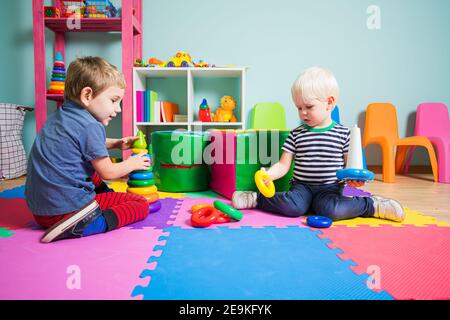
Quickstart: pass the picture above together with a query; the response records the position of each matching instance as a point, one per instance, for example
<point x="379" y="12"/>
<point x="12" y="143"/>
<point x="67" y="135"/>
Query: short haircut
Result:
<point x="315" y="83"/>
<point x="93" y="72"/>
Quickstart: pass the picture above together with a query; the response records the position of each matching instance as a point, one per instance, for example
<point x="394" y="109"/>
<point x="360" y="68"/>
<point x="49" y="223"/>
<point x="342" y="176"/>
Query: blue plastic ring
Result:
<point x="140" y="175"/>
<point x="355" y="174"/>
<point x="319" y="222"/>
<point x="154" y="206"/>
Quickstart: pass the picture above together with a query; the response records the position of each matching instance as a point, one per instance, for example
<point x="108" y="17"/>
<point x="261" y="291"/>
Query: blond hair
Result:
<point x="315" y="83"/>
<point x="93" y="72"/>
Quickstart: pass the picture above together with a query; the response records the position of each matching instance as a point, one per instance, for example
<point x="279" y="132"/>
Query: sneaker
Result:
<point x="244" y="199"/>
<point x="388" y="209"/>
<point x="73" y="226"/>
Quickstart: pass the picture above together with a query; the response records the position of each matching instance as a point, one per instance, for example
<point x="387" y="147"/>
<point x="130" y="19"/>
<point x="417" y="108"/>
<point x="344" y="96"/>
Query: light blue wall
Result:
<point x="405" y="62"/>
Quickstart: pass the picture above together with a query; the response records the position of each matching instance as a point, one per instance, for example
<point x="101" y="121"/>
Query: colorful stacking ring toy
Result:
<point x="319" y="222"/>
<point x="154" y="206"/>
<point x="141" y="183"/>
<point x="142" y="191"/>
<point x="140" y="175"/>
<point x="228" y="210"/>
<point x="267" y="191"/>
<point x="355" y="174"/>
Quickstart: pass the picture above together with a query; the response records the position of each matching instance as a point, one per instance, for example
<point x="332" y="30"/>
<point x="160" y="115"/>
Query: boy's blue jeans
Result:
<point x="325" y="200"/>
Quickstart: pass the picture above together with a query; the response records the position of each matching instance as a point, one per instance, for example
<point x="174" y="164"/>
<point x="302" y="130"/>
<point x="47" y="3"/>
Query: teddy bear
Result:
<point x="225" y="112"/>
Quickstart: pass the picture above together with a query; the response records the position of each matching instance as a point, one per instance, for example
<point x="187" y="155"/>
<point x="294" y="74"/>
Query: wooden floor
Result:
<point x="415" y="191"/>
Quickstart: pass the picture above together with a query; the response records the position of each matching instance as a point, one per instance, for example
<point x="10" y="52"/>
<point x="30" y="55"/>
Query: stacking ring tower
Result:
<point x="141" y="182"/>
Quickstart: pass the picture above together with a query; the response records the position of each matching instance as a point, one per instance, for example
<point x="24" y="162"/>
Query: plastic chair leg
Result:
<point x="408" y="161"/>
<point x="388" y="163"/>
<point x="400" y="157"/>
<point x="433" y="160"/>
<point x="444" y="163"/>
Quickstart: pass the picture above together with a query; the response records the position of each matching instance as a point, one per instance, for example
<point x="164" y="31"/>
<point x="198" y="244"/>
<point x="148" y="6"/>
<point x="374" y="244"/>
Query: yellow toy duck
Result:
<point x="225" y="112"/>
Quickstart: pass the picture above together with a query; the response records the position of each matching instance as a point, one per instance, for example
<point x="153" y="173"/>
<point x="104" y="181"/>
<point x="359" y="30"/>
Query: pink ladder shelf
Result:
<point x="129" y="24"/>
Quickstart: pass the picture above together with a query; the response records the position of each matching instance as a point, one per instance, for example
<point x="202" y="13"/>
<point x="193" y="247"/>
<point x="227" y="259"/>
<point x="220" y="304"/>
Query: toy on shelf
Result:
<point x="138" y="62"/>
<point x="354" y="170"/>
<point x="155" y="62"/>
<point x="58" y="76"/>
<point x="72" y="8"/>
<point x="51" y="12"/>
<point x="225" y="112"/>
<point x="100" y="9"/>
<point x="201" y="64"/>
<point x="141" y="182"/>
<point x="181" y="59"/>
<point x="204" y="112"/>
<point x="267" y="191"/>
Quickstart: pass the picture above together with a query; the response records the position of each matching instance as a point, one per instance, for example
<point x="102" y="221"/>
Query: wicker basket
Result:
<point x="13" y="160"/>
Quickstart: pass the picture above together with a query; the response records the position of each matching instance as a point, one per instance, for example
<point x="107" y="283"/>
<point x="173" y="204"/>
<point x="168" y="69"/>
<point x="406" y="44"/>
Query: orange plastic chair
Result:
<point x="382" y="128"/>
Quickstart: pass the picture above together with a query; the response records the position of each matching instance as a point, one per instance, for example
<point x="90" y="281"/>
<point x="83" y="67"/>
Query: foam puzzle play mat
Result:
<point x="261" y="256"/>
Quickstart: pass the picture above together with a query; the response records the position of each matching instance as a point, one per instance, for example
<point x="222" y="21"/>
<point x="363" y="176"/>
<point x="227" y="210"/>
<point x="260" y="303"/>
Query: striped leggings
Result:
<point x="119" y="209"/>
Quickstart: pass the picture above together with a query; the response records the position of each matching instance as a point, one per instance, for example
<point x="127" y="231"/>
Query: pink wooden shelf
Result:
<point x="130" y="27"/>
<point x="90" y="25"/>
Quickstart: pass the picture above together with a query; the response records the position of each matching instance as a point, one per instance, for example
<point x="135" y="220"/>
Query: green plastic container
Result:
<point x="178" y="161"/>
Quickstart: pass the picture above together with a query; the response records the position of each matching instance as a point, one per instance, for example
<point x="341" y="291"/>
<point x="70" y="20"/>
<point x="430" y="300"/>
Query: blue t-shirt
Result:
<point x="59" y="167"/>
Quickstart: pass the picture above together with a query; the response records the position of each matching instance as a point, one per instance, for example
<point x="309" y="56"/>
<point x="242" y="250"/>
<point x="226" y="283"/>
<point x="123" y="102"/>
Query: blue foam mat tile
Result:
<point x="250" y="263"/>
<point x="18" y="192"/>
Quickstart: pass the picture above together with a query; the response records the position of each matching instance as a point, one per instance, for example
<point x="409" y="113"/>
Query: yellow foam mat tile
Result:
<point x="119" y="186"/>
<point x="415" y="218"/>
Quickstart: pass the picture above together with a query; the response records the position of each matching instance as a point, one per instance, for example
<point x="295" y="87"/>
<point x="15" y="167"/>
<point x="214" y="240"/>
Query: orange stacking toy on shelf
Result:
<point x="141" y="182"/>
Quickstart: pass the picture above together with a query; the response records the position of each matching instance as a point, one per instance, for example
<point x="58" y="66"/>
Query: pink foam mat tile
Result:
<point x="252" y="218"/>
<point x="409" y="262"/>
<point x="103" y="266"/>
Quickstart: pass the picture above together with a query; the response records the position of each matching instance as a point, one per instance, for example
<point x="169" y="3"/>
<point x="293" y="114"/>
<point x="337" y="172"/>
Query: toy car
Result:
<point x="181" y="59"/>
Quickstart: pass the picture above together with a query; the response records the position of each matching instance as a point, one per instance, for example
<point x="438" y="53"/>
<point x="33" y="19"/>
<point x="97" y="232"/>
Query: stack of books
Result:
<point x="150" y="109"/>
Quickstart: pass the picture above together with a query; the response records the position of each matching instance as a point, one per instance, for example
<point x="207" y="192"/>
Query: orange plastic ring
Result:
<point x="196" y="207"/>
<point x="153" y="197"/>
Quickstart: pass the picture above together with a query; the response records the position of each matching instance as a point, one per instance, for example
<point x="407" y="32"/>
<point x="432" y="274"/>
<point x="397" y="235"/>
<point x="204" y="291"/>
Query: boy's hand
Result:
<point x="355" y="183"/>
<point x="126" y="143"/>
<point x="266" y="180"/>
<point x="139" y="162"/>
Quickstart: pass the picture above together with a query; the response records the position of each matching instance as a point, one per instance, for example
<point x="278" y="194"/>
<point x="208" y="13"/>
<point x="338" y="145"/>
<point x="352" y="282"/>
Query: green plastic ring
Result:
<point x="228" y="210"/>
<point x="141" y="183"/>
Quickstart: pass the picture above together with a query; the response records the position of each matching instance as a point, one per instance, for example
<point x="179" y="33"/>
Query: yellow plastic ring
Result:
<point x="267" y="191"/>
<point x="137" y="150"/>
<point x="142" y="191"/>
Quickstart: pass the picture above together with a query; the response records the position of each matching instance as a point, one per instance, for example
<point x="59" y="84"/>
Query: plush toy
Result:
<point x="225" y="112"/>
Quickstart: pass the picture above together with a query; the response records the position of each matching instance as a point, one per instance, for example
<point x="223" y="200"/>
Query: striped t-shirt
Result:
<point x="319" y="153"/>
